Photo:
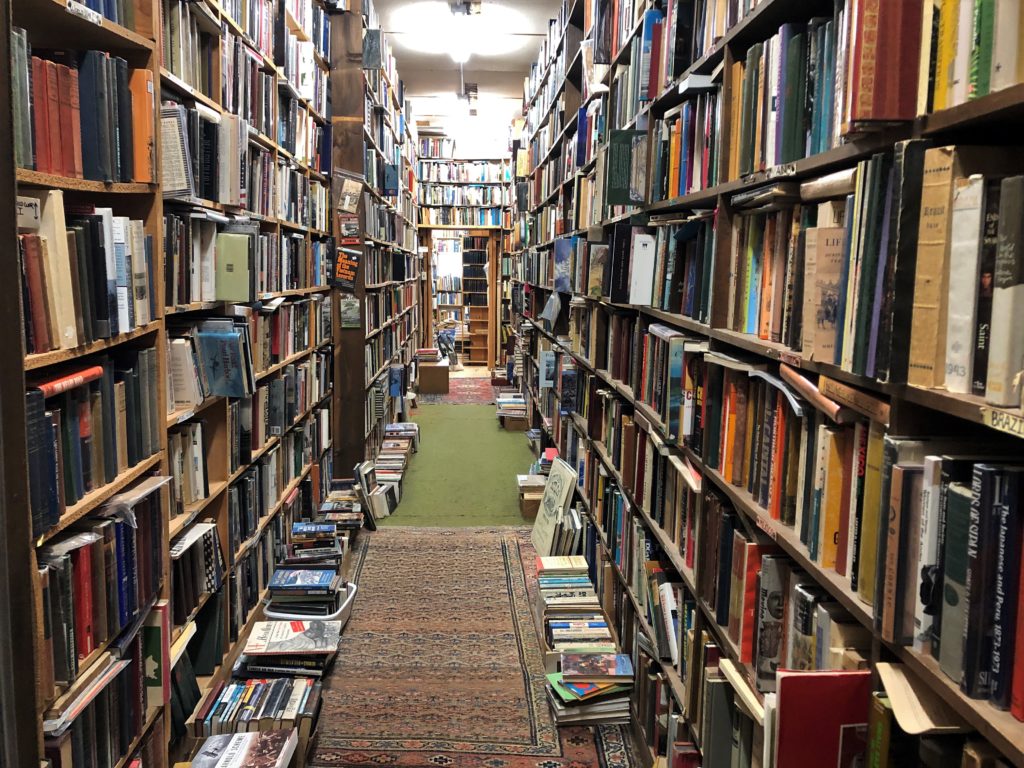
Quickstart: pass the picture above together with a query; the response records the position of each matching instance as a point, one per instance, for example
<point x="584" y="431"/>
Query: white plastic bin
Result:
<point x="342" y="614"/>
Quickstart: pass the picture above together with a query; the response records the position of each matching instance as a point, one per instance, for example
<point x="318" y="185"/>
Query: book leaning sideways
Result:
<point x="264" y="749"/>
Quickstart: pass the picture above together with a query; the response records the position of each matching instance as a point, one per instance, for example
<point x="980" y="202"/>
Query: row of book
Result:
<point x="432" y="194"/>
<point x="803" y="647"/>
<point x="88" y="272"/>
<point x="462" y="217"/>
<point x="82" y="115"/>
<point x="95" y="582"/>
<point x="464" y="171"/>
<point x="825" y="471"/>
<point x="87" y="426"/>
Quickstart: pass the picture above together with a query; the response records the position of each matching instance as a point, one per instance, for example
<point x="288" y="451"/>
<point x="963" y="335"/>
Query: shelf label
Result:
<point x="84" y="13"/>
<point x="766" y="525"/>
<point x="791" y="358"/>
<point x="28" y="213"/>
<point x="1004" y="421"/>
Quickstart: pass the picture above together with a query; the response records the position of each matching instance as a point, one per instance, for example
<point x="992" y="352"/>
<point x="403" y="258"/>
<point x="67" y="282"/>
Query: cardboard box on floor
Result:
<point x="433" y="378"/>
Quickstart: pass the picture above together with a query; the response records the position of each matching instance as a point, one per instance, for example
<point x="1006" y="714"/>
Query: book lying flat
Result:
<point x="270" y="638"/>
<point x="596" y="667"/>
<point x="265" y="749"/>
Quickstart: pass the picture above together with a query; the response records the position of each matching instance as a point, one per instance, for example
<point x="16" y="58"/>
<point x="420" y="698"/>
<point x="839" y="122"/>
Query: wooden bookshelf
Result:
<point x="551" y="186"/>
<point x="56" y="25"/>
<point x="364" y="143"/>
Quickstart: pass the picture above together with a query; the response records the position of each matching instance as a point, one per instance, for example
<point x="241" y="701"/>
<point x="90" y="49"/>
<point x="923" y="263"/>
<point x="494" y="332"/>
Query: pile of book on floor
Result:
<point x="381" y="480"/>
<point x="511" y="404"/>
<point x="289" y="648"/>
<point x="543" y="465"/>
<point x="343" y="509"/>
<point x="263" y="748"/>
<point x="428" y="355"/>
<point x="594" y="681"/>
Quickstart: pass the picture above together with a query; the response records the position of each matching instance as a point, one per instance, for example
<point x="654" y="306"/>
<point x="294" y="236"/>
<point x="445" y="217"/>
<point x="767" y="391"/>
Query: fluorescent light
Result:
<point x="428" y="26"/>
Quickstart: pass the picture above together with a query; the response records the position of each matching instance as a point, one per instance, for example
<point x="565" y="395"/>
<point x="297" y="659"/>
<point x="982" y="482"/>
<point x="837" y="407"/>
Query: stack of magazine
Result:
<point x="266" y="749"/>
<point x="296" y="648"/>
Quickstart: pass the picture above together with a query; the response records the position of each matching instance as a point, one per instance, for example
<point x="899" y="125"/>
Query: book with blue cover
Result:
<point x="221" y="361"/>
<point x="313" y="529"/>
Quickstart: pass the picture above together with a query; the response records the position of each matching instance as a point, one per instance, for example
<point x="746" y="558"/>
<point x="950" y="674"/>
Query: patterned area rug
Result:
<point x="440" y="667"/>
<point x="463" y="391"/>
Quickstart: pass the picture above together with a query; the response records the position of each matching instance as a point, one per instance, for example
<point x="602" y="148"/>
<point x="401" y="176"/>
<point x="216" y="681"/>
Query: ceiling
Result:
<point x="520" y="23"/>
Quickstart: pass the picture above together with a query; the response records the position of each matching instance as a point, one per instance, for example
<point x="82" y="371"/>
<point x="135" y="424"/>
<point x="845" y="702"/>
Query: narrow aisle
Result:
<point x="440" y="665"/>
<point x="464" y="472"/>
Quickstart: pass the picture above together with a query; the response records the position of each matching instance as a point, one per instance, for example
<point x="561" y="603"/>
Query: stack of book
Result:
<point x="591" y="688"/>
<point x="343" y="509"/>
<point x="316" y="543"/>
<point x="511" y="405"/>
<point x="289" y="648"/>
<point x="306" y="591"/>
<point x="428" y="355"/>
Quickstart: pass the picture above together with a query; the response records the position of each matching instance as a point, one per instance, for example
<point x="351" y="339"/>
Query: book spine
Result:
<point x="926" y="365"/>
<point x="961" y="300"/>
<point x="1006" y="355"/>
<point x="1005" y="605"/>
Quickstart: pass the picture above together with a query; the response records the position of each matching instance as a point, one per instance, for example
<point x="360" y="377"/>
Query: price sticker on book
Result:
<point x="766" y="525"/>
<point x="84" y="13"/>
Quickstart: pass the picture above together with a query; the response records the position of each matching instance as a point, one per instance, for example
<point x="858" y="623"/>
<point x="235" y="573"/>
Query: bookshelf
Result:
<point x="374" y="144"/>
<point x="601" y="402"/>
<point x="463" y="200"/>
<point x="257" y="81"/>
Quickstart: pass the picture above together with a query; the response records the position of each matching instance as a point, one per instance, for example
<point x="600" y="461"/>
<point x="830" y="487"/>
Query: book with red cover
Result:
<point x="35" y="277"/>
<point x="884" y="60"/>
<point x="81" y="564"/>
<point x="75" y="118"/>
<point x="52" y="107"/>
<point x="67" y="145"/>
<point x="41" y="125"/>
<point x="70" y="381"/>
<point x="822" y="718"/>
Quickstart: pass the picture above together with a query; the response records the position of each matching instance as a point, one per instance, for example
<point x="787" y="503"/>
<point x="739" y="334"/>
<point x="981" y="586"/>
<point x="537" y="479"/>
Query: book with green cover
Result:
<point x="981" y="48"/>
<point x="233" y="268"/>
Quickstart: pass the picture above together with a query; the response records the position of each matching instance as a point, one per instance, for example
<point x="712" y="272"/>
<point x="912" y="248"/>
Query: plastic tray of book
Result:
<point x="342" y="614"/>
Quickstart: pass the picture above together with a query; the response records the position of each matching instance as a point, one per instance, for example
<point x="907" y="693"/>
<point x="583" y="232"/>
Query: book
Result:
<point x="596" y="668"/>
<point x="274" y="638"/>
<point x="247" y="750"/>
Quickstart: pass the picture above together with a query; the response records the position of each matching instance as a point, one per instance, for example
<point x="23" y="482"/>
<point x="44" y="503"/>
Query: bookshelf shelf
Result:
<point x="155" y="714"/>
<point x="260" y="375"/>
<point x="67" y="29"/>
<point x="998" y="726"/>
<point x="94" y="499"/>
<point x="194" y="510"/>
<point x="31" y="178"/>
<point x="169" y="80"/>
<point x="58" y="356"/>
<point x="181" y="415"/>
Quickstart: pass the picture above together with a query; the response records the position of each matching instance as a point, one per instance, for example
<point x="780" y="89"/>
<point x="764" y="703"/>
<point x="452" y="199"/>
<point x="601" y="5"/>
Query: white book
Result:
<point x="1006" y="354"/>
<point x="1007" y="62"/>
<point x="641" y="269"/>
<point x="184" y="381"/>
<point x="140" y="271"/>
<point x="60" y="296"/>
<point x="207" y="260"/>
<point x="771" y="129"/>
<point x="928" y="543"/>
<point x="960" y="82"/>
<point x="122" y="261"/>
<point x="962" y="300"/>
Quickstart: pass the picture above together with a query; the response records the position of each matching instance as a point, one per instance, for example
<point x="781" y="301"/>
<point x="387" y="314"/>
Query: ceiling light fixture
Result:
<point x="477" y="29"/>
